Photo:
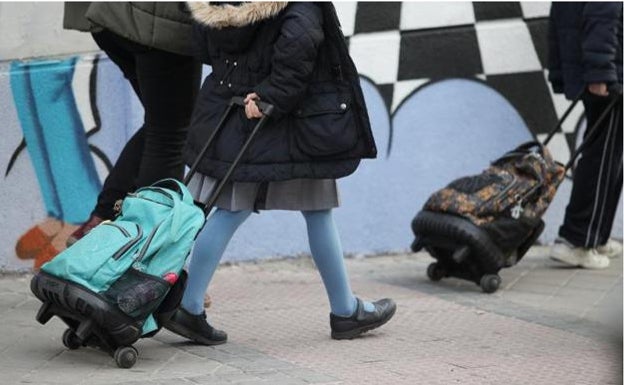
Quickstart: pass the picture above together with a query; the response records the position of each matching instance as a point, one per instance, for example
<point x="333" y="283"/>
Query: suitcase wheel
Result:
<point x="126" y="356"/>
<point x="71" y="340"/>
<point x="436" y="272"/>
<point x="490" y="283"/>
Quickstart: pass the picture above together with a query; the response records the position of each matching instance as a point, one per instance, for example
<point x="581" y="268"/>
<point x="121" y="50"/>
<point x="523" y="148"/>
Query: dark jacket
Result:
<point x="163" y="25"/>
<point x="585" y="45"/>
<point x="294" y="57"/>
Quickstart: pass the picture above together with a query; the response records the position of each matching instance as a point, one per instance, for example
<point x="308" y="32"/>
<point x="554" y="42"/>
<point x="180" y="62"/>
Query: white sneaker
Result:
<point x="611" y="249"/>
<point x="561" y="251"/>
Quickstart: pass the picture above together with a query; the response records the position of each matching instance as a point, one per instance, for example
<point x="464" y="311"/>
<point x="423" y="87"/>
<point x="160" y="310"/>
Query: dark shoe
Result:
<point x="344" y="328"/>
<point x="195" y="327"/>
<point x="84" y="229"/>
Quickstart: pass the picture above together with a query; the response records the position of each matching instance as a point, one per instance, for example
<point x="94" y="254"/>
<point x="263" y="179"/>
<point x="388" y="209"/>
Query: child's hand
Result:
<point x="599" y="89"/>
<point x="251" y="108"/>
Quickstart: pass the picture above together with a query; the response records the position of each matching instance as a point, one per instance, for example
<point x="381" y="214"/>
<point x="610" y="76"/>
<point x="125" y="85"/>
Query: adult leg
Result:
<point x="169" y="84"/>
<point x="593" y="178"/>
<point x="122" y="178"/>
<point x="614" y="189"/>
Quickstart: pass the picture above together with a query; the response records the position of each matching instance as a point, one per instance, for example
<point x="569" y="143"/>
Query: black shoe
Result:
<point x="195" y="327"/>
<point x="344" y="328"/>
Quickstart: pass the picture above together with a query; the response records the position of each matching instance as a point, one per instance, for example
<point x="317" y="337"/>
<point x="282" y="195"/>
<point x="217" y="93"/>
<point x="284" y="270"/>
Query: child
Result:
<point x="292" y="56"/>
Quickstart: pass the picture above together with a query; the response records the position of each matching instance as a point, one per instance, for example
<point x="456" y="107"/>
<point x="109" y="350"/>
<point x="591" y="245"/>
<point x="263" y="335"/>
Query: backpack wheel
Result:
<point x="126" y="356"/>
<point x="490" y="283"/>
<point x="435" y="272"/>
<point x="71" y="340"/>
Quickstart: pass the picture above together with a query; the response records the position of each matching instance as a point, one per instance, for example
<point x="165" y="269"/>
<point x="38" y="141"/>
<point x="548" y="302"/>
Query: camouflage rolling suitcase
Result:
<point x="479" y="224"/>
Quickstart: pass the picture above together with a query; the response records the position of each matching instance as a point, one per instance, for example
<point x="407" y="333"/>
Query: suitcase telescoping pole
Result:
<point x="592" y="132"/>
<point x="267" y="111"/>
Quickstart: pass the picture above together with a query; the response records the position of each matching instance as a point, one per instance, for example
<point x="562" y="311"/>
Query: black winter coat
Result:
<point x="585" y="42"/>
<point x="294" y="57"/>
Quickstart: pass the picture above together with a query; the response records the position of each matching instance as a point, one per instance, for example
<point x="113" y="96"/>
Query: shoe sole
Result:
<point x="361" y="330"/>
<point x="567" y="262"/>
<point x="579" y="264"/>
<point x="186" y="333"/>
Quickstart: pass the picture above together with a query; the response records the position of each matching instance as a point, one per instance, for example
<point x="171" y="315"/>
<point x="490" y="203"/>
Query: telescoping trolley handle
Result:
<point x="592" y="132"/>
<point x="237" y="101"/>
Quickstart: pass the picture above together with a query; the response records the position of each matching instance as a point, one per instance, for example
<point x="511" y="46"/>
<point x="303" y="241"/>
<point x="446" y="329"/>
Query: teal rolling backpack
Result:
<point x="125" y="277"/>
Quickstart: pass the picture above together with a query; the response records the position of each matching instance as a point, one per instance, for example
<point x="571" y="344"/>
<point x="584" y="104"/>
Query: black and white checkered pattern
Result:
<point x="402" y="46"/>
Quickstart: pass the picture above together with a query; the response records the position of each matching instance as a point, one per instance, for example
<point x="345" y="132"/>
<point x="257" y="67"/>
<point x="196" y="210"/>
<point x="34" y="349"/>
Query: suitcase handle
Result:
<point x="564" y="117"/>
<point x="264" y="107"/>
<point x="592" y="132"/>
<point x="615" y="96"/>
<point x="267" y="110"/>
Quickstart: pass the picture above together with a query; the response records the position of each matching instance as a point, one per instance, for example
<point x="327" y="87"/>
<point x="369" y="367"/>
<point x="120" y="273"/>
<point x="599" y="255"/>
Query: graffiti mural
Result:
<point x="55" y="105"/>
<point x="59" y="153"/>
<point x="449" y="88"/>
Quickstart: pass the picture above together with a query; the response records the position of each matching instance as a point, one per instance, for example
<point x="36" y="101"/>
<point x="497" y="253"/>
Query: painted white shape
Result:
<point x="35" y="29"/>
<point x="435" y="14"/>
<point x="561" y="105"/>
<point x="100" y="167"/>
<point x="376" y="55"/>
<point x="403" y="88"/>
<point x="506" y="47"/>
<point x="481" y="76"/>
<point x="346" y="11"/>
<point x="533" y="9"/>
<point x="82" y="90"/>
<point x="558" y="147"/>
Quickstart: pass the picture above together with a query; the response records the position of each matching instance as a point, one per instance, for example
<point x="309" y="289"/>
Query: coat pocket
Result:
<point x="325" y="126"/>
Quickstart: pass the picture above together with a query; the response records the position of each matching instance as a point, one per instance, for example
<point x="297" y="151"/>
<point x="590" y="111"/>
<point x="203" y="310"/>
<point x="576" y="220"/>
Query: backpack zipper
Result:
<point x="124" y="231"/>
<point x="134" y="195"/>
<point x="511" y="185"/>
<point x="129" y="245"/>
<point x="139" y="258"/>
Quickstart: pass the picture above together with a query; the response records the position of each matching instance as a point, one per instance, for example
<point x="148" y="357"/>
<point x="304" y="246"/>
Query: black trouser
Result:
<point x="167" y="85"/>
<point x="597" y="181"/>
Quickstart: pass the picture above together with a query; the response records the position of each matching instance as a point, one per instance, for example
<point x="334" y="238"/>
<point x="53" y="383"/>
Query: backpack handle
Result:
<point x="177" y="186"/>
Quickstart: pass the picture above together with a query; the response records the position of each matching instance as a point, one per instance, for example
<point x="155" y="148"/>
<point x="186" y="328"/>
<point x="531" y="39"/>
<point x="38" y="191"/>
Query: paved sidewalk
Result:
<point x="547" y="325"/>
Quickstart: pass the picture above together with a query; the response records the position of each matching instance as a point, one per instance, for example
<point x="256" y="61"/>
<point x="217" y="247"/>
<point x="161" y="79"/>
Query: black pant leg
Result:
<point x="594" y="181"/>
<point x="122" y="177"/>
<point x="169" y="84"/>
<point x="120" y="54"/>
<point x="614" y="192"/>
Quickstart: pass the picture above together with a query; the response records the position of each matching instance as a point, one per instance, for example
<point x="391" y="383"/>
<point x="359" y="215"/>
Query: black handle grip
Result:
<point x="265" y="108"/>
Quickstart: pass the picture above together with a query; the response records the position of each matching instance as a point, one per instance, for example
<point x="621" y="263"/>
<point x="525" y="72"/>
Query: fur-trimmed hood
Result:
<point x="227" y="15"/>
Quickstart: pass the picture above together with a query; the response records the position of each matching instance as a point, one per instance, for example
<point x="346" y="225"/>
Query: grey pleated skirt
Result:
<point x="294" y="194"/>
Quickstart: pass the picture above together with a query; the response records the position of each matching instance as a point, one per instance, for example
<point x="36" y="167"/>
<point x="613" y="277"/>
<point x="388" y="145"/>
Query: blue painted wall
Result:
<point x="76" y="113"/>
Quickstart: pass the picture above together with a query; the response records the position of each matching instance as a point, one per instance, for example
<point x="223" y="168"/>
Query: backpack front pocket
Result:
<point x="137" y="293"/>
<point x="110" y="241"/>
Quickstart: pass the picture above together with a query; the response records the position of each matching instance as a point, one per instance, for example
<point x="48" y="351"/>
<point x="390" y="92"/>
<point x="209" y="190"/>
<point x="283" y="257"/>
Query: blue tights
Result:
<point x="324" y="245"/>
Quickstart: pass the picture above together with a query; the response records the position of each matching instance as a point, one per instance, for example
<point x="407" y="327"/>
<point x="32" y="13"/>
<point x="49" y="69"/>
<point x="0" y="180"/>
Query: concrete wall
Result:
<point x="449" y="86"/>
<point x="35" y="29"/>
